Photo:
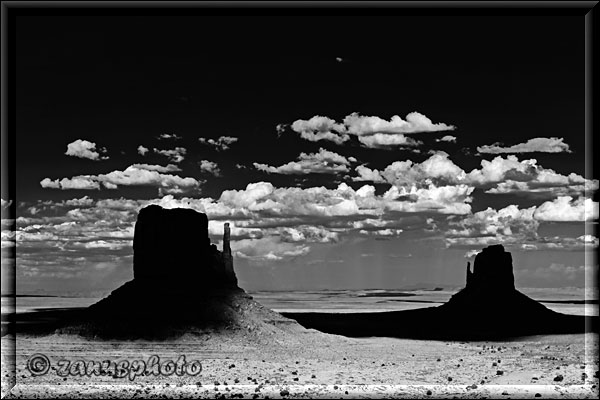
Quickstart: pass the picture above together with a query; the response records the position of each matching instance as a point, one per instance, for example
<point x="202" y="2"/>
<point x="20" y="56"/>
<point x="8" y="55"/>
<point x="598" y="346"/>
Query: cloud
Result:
<point x="134" y="175"/>
<point x="565" y="208"/>
<point x="517" y="227"/>
<point x="323" y="162"/>
<point x="320" y="128"/>
<point x="308" y="234"/>
<point x="5" y="203"/>
<point x="447" y="138"/>
<point x="280" y="128"/>
<point x="415" y="122"/>
<point x="176" y="155"/>
<point x="168" y="136"/>
<point x="221" y="144"/>
<point x="372" y="132"/>
<point x="381" y="232"/>
<point x="267" y="249"/>
<point x="542" y="145"/>
<point x="158" y="168"/>
<point x="79" y="182"/>
<point x="85" y="149"/>
<point x="498" y="176"/>
<point x="142" y="150"/>
<point x="437" y="169"/>
<point x="210" y="167"/>
<point x="387" y="141"/>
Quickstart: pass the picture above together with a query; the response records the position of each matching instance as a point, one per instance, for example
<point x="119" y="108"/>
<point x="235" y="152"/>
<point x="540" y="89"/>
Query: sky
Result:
<point x="347" y="152"/>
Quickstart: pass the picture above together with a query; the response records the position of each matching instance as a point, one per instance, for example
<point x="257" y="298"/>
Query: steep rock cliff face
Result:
<point x="173" y="246"/>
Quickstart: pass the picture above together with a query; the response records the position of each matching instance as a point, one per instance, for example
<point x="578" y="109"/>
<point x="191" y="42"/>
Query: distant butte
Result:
<point x="488" y="307"/>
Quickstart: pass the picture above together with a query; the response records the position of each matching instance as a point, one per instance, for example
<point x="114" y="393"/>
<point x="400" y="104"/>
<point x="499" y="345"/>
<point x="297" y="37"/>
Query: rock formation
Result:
<point x="179" y="277"/>
<point x="173" y="245"/>
<point x="488" y="307"/>
<point x="493" y="270"/>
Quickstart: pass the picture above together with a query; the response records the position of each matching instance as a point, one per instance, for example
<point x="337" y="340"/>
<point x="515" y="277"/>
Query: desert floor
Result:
<point x="310" y="364"/>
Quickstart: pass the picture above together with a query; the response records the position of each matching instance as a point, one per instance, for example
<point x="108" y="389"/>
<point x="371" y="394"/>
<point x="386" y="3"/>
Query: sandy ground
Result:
<point x="310" y="364"/>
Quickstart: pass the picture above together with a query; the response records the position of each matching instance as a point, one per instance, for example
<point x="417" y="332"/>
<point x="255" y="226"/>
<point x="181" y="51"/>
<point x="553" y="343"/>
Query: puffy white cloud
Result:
<point x="542" y="145"/>
<point x="5" y="203"/>
<point x="509" y="221"/>
<point x="168" y="136"/>
<point x="372" y="132"/>
<point x="85" y="149"/>
<point x="565" y="208"/>
<point x="500" y="175"/>
<point x="222" y="143"/>
<point x="210" y="167"/>
<point x="447" y="138"/>
<point x="142" y="150"/>
<point x="134" y="175"/>
<point x="320" y="128"/>
<point x="308" y="234"/>
<point x="387" y="141"/>
<point x="323" y="162"/>
<point x="176" y="155"/>
<point x="158" y="168"/>
<point x="368" y="174"/>
<point x="415" y="122"/>
<point x="78" y="182"/>
<point x="516" y="227"/>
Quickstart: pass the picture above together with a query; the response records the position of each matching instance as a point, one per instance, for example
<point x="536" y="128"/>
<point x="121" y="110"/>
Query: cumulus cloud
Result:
<point x="565" y="208"/>
<point x="541" y="145"/>
<point x="82" y="182"/>
<point x="222" y="143"/>
<point x="437" y="169"/>
<point x="517" y="227"/>
<point x="210" y="167"/>
<point x="387" y="141"/>
<point x="85" y="149"/>
<point x="168" y="136"/>
<point x="447" y="138"/>
<point x="373" y="132"/>
<point x="176" y="155"/>
<point x="307" y="233"/>
<point x="320" y="128"/>
<point x="500" y="175"/>
<point x="134" y="175"/>
<point x="415" y="122"/>
<point x="142" y="150"/>
<point x="323" y="162"/>
<point x="158" y="168"/>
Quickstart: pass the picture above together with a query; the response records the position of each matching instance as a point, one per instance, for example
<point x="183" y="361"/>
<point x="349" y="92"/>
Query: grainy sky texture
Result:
<point x="346" y="152"/>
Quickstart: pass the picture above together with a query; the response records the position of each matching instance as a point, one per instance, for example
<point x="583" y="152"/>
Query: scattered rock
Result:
<point x="558" y="378"/>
